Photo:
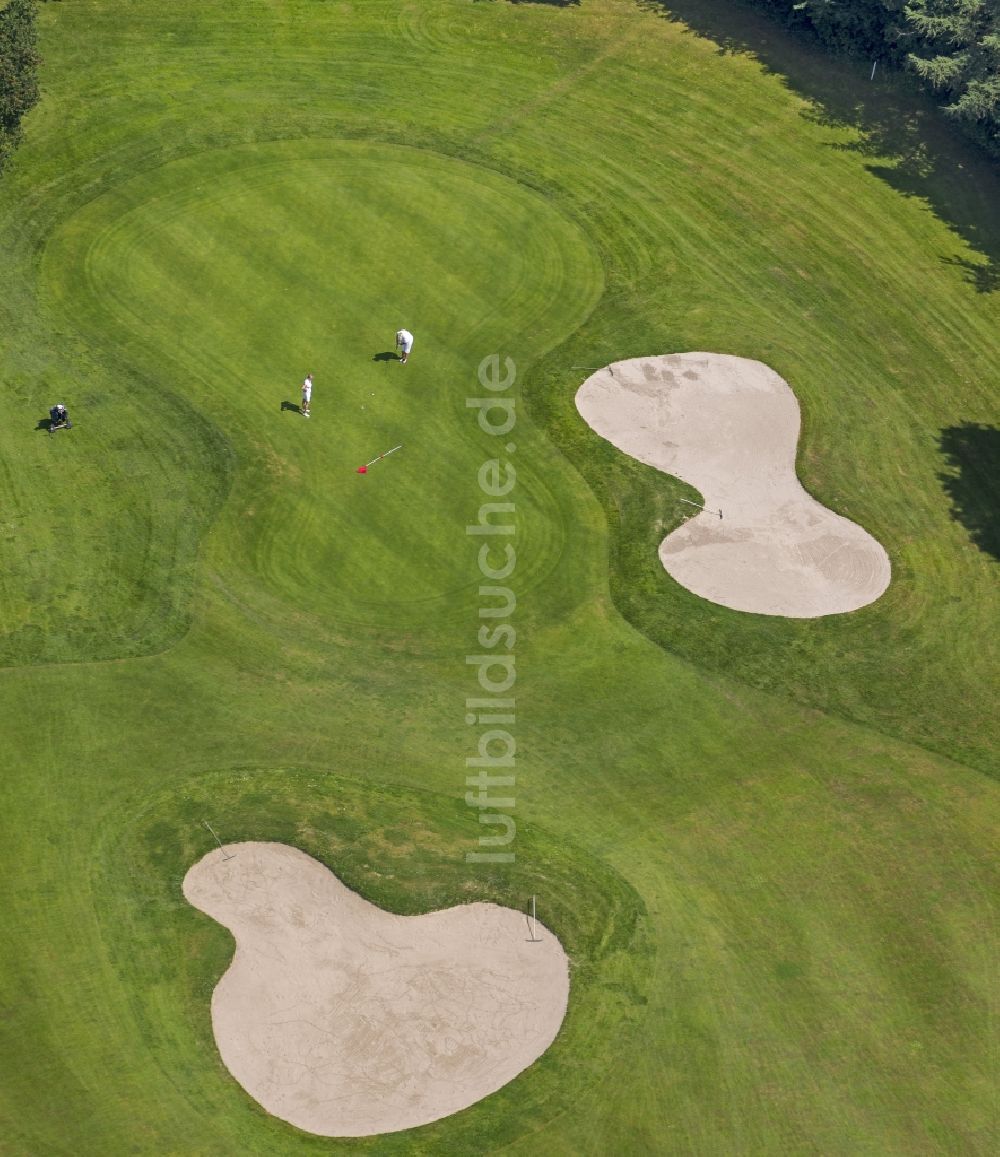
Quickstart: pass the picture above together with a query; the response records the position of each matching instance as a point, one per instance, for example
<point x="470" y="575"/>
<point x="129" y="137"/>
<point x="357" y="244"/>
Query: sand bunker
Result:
<point x="729" y="426"/>
<point x="346" y="1020"/>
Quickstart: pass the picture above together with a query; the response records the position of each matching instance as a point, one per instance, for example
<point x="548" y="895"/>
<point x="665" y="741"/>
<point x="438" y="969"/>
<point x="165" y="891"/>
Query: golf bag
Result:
<point x="59" y="419"/>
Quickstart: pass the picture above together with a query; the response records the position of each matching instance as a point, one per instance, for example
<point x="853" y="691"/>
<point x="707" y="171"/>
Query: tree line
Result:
<point x="952" y="45"/>
<point x="18" y="71"/>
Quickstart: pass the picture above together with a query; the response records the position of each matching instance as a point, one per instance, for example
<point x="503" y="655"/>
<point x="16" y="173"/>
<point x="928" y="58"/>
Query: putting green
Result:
<point x="227" y="276"/>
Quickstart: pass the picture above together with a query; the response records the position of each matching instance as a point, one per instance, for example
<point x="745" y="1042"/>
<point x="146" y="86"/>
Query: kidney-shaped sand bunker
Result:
<point x="346" y="1020"/>
<point x="730" y="426"/>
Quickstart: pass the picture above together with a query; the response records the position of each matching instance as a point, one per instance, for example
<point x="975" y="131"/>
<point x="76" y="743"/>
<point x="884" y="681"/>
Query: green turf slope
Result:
<point x="769" y="847"/>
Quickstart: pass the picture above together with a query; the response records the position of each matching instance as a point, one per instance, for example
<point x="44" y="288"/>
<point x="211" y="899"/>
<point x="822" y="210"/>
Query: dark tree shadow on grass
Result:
<point x="972" y="481"/>
<point x="912" y="145"/>
<point x="984" y="276"/>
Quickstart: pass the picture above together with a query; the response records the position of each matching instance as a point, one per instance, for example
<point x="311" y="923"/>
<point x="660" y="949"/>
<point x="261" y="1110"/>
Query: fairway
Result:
<point x="766" y="844"/>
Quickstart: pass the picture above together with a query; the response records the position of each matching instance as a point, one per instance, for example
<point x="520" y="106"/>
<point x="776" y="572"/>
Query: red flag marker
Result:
<point x="364" y="469"/>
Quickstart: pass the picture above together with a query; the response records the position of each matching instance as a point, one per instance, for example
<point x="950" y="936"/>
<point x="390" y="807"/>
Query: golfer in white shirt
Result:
<point x="404" y="342"/>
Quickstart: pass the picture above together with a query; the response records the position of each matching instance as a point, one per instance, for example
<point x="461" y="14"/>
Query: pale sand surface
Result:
<point x="346" y="1020"/>
<point x="729" y="427"/>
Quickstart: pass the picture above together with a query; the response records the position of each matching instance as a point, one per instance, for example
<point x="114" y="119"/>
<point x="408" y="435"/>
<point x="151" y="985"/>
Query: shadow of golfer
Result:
<point x="293" y="406"/>
<point x="386" y="356"/>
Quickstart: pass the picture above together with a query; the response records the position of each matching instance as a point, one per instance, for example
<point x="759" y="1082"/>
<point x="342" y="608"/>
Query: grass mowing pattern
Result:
<point x="820" y="928"/>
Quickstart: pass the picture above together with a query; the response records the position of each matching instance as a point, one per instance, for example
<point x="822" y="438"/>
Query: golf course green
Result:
<point x="768" y="846"/>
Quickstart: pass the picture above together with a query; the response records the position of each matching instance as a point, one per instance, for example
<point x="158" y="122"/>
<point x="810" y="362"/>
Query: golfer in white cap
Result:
<point x="307" y="393"/>
<point x="404" y="342"/>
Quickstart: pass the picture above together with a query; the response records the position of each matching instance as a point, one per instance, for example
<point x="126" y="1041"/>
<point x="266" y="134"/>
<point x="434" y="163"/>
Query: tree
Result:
<point x="958" y="53"/>
<point x="18" y="71"/>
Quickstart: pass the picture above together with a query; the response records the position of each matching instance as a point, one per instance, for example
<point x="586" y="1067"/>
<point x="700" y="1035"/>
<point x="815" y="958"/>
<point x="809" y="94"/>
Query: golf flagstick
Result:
<point x="364" y="469"/>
